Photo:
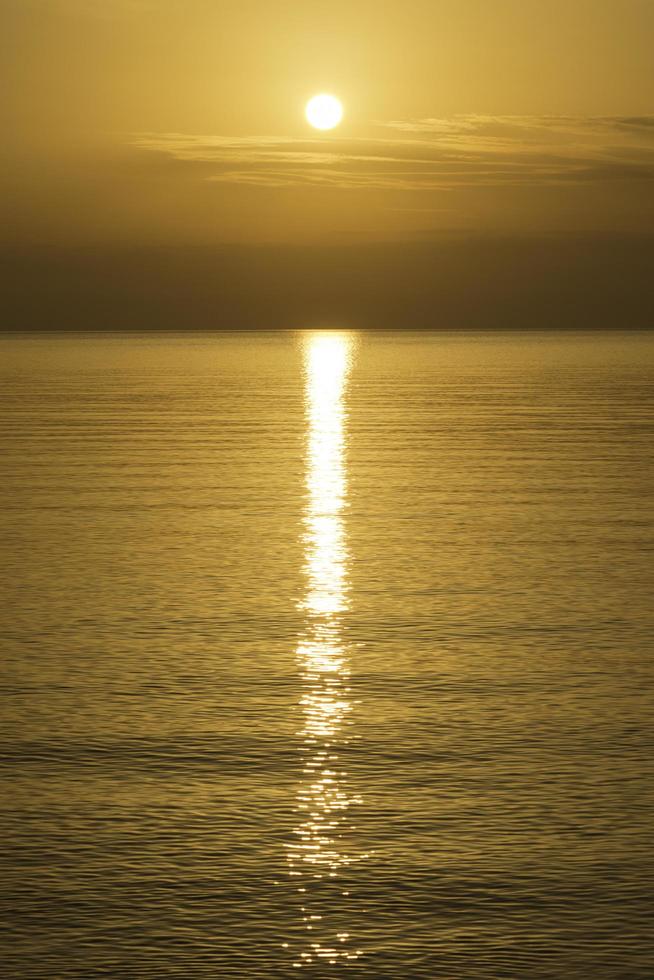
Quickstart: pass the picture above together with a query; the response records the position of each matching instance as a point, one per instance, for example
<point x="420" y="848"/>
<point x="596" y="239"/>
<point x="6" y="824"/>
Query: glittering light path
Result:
<point x="323" y="848"/>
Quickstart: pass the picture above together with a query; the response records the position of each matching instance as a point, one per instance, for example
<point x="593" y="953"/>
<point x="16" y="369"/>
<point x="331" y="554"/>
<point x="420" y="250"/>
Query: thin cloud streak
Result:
<point x="429" y="154"/>
<point x="102" y="9"/>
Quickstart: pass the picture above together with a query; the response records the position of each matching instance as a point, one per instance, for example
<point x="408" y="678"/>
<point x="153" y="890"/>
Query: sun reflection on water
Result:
<point x="324" y="849"/>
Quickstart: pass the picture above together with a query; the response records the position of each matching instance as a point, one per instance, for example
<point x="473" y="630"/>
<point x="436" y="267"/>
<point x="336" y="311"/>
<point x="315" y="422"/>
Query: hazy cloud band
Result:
<point x="426" y="154"/>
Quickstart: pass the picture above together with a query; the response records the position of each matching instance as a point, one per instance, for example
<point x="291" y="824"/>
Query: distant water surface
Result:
<point x="327" y="652"/>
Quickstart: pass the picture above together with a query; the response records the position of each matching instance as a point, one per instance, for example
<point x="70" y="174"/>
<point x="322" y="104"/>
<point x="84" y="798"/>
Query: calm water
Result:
<point x="327" y="652"/>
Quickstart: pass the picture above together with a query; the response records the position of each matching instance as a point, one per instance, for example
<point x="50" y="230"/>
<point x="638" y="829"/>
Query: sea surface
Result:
<point x="327" y="652"/>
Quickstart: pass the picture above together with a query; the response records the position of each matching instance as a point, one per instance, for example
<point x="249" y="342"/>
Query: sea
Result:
<point x="326" y="652"/>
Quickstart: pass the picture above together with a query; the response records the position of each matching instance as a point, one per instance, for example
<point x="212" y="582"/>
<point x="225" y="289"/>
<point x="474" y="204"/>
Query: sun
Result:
<point x="324" y="111"/>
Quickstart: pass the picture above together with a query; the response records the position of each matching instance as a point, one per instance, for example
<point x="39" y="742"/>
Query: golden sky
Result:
<point x="182" y="121"/>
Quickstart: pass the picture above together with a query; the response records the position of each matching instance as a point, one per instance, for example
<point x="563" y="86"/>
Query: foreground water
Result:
<point x="327" y="652"/>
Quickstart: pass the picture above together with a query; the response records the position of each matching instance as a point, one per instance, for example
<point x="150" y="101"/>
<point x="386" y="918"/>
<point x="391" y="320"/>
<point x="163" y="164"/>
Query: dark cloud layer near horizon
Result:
<point x="458" y="282"/>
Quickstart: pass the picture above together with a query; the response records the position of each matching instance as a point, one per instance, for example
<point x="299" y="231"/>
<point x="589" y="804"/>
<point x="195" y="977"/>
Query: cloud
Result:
<point x="429" y="154"/>
<point x="100" y="9"/>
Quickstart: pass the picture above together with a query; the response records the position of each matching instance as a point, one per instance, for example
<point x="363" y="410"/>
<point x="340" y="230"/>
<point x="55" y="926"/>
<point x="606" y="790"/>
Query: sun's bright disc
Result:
<point x="324" y="111"/>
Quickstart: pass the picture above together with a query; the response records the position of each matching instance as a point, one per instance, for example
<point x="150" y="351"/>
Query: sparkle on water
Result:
<point x="324" y="801"/>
